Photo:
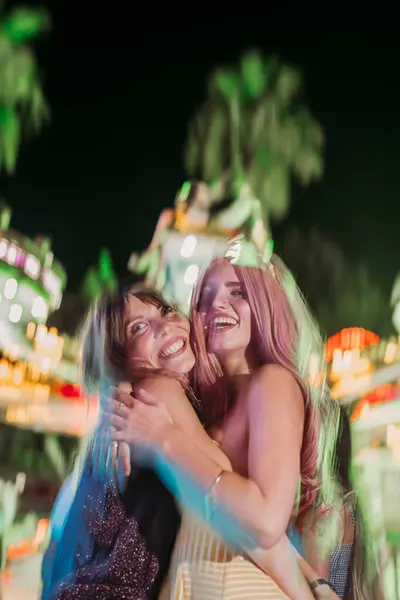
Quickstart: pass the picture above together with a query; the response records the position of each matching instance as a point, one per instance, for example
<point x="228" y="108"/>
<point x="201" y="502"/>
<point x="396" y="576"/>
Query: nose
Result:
<point x="220" y="300"/>
<point x="161" y="328"/>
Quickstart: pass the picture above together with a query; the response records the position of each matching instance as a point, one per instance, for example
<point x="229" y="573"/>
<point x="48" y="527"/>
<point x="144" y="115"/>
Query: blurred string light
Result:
<point x="191" y="275"/>
<point x="15" y="313"/>
<point x="10" y="288"/>
<point x="188" y="246"/>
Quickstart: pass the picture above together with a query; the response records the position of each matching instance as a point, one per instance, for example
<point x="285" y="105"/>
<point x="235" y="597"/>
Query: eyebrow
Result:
<point x="228" y="284"/>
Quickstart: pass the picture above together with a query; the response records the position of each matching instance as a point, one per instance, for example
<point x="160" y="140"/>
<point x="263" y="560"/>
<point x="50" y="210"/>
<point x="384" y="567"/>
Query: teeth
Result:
<point x="224" y="321"/>
<point x="173" y="348"/>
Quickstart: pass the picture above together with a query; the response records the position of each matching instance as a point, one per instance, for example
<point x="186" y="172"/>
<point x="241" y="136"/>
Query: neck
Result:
<point x="237" y="368"/>
<point x="235" y="385"/>
<point x="237" y="364"/>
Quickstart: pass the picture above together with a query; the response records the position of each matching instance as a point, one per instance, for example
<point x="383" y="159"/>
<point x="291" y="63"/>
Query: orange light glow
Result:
<point x="353" y="338"/>
<point x="28" y="547"/>
<point x="382" y="394"/>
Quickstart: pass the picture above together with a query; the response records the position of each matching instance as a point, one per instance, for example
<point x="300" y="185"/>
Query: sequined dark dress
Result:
<point x="130" y="543"/>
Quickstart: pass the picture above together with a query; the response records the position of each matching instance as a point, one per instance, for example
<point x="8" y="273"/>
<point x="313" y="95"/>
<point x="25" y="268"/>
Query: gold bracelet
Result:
<point x="209" y="500"/>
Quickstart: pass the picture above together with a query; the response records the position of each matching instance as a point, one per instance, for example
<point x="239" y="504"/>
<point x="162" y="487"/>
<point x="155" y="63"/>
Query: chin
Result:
<point x="185" y="365"/>
<point x="216" y="346"/>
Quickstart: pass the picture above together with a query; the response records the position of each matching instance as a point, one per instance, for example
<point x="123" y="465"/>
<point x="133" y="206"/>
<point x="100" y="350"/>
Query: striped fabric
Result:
<point x="203" y="568"/>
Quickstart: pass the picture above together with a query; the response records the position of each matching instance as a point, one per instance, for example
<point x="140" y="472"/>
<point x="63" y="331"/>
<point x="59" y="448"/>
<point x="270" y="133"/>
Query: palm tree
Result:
<point x="253" y="130"/>
<point x="99" y="279"/>
<point x="23" y="107"/>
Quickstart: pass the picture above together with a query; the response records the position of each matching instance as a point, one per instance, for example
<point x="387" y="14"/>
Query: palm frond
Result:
<point x="252" y="121"/>
<point x="288" y="83"/>
<point x="23" y="24"/>
<point x="23" y="106"/>
<point x="9" y="139"/>
<point x="253" y="74"/>
<point x="213" y="157"/>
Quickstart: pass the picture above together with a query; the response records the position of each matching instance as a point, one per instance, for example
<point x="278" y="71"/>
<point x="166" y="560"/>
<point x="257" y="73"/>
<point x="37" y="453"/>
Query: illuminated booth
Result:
<point x="38" y="370"/>
<point x="190" y="235"/>
<point x="364" y="374"/>
<point x="31" y="281"/>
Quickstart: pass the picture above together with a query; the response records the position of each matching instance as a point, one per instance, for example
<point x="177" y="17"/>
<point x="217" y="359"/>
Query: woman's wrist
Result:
<point x="321" y="588"/>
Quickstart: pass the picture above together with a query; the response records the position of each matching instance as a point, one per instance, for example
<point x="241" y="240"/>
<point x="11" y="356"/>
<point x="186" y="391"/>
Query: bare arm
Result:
<point x="280" y="561"/>
<point x="262" y="503"/>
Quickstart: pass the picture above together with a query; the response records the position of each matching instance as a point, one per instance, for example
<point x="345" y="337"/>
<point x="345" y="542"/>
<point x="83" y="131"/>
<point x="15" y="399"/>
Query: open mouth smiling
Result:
<point x="220" y="323"/>
<point x="173" y="348"/>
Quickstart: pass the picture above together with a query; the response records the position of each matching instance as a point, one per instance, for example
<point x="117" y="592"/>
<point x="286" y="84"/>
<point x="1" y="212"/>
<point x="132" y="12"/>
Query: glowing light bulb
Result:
<point x="191" y="275"/>
<point x="15" y="313"/>
<point x="30" y="331"/>
<point x="390" y="353"/>
<point x="188" y="246"/>
<point x="3" y="248"/>
<point x="10" y="289"/>
<point x="39" y="308"/>
<point x="12" y="254"/>
<point x="32" y="266"/>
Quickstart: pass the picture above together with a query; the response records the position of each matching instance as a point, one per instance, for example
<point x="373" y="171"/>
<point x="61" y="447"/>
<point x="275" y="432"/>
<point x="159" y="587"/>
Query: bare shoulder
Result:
<point x="273" y="373"/>
<point x="277" y="385"/>
<point x="162" y="388"/>
<point x="169" y="392"/>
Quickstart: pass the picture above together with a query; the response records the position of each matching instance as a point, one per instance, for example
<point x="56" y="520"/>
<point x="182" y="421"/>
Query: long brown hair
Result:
<point x="103" y="363"/>
<point x="103" y="339"/>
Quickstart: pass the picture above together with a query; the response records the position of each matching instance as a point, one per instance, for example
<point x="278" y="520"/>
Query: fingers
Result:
<point x="115" y="420"/>
<point x="120" y="410"/>
<point x="125" y="458"/>
<point x="117" y="436"/>
<point x="114" y="450"/>
<point x="121" y="396"/>
<point x="146" y="398"/>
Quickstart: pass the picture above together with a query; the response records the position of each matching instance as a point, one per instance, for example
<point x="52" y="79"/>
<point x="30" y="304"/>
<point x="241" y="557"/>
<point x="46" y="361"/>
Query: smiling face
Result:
<point x="156" y="336"/>
<point x="226" y="314"/>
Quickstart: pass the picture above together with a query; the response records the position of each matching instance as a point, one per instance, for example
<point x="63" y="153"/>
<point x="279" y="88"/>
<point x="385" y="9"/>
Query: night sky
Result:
<point x="123" y="86"/>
